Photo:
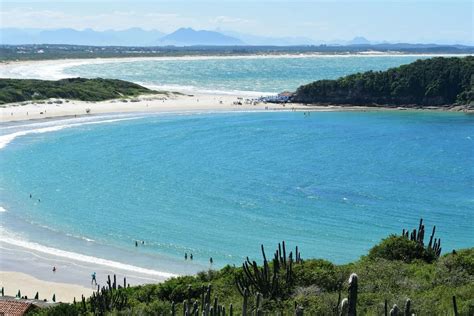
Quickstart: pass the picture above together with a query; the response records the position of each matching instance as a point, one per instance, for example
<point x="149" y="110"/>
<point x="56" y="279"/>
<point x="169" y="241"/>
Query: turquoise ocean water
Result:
<point x="268" y="75"/>
<point x="220" y="184"/>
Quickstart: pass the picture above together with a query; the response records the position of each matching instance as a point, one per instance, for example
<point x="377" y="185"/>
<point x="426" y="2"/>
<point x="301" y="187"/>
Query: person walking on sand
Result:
<point x="94" y="280"/>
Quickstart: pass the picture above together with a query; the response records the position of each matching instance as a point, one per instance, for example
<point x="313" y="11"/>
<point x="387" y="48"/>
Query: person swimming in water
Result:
<point x="54" y="269"/>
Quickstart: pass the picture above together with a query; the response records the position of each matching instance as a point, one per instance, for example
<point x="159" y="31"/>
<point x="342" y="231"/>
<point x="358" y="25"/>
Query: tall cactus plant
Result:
<point x="418" y="236"/>
<point x="274" y="279"/>
<point x="353" y="287"/>
<point x="348" y="306"/>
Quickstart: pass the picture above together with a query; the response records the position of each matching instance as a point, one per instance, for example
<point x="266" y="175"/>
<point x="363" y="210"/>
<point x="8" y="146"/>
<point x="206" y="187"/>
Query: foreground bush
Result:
<point x="395" y="270"/>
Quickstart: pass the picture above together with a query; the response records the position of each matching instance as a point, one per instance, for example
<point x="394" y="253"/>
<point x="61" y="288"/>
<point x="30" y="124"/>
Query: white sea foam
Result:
<point x="2" y="210"/>
<point x="8" y="138"/>
<point x="194" y="89"/>
<point x="80" y="257"/>
<point x="55" y="69"/>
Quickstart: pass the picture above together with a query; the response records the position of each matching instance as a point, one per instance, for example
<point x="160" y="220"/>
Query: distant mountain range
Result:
<point x="190" y="37"/>
<point x="181" y="37"/>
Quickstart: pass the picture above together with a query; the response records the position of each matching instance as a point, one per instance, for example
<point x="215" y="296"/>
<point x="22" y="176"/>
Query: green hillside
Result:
<point x="431" y="82"/>
<point x="19" y="90"/>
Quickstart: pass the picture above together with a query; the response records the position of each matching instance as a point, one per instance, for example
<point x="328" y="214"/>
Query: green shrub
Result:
<point x="400" y="248"/>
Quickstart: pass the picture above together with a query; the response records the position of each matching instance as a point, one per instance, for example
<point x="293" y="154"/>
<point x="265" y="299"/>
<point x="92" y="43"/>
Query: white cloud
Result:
<point x="223" y="19"/>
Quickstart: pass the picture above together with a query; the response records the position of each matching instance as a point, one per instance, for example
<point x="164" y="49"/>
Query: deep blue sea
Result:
<point x="220" y="184"/>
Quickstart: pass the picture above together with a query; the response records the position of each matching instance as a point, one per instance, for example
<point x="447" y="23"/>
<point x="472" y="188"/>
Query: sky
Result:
<point x="415" y="21"/>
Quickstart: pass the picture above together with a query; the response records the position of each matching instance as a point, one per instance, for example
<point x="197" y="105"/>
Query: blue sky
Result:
<point x="448" y="21"/>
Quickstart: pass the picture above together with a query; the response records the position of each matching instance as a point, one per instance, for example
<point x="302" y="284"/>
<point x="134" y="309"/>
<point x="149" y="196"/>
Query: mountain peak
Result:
<point x="187" y="36"/>
<point x="359" y="40"/>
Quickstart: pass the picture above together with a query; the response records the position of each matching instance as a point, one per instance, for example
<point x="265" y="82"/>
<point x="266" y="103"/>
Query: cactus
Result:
<point x="271" y="283"/>
<point x="83" y="304"/>
<point x="395" y="310"/>
<point x="408" y="307"/>
<point x="215" y="304"/>
<point x="344" y="309"/>
<point x="419" y="235"/>
<point x="108" y="299"/>
<point x="245" y="302"/>
<point x="455" y="306"/>
<point x="353" y="285"/>
<point x="258" y="299"/>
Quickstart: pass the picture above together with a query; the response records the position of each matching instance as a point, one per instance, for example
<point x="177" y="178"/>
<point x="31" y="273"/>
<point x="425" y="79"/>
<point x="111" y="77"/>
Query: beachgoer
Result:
<point x="143" y="242"/>
<point x="94" y="280"/>
<point x="191" y="257"/>
<point x="39" y="200"/>
<point x="54" y="269"/>
<point x="185" y="256"/>
<point x="30" y="195"/>
<point x="211" y="261"/>
<point x="136" y="243"/>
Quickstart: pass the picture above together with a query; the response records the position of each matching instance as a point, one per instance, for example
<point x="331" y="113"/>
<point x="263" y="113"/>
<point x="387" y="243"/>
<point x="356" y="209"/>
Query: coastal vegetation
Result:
<point x="19" y="90"/>
<point x="400" y="276"/>
<point x="436" y="81"/>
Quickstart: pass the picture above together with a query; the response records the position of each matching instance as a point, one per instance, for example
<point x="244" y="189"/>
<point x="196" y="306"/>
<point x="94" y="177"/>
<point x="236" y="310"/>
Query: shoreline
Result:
<point x="31" y="270"/>
<point x="29" y="285"/>
<point x="146" y="104"/>
<point x="178" y="102"/>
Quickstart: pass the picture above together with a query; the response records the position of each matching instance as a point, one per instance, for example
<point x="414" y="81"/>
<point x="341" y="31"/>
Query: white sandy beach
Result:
<point x="28" y="285"/>
<point x="151" y="103"/>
